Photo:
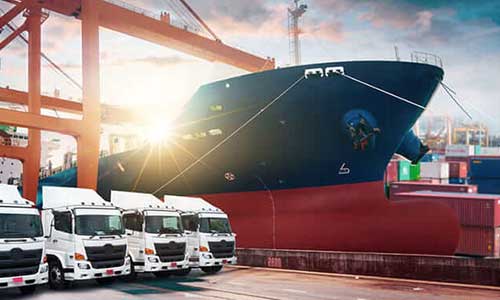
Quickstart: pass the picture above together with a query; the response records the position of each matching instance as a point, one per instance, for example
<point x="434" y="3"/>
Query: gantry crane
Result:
<point x="93" y="14"/>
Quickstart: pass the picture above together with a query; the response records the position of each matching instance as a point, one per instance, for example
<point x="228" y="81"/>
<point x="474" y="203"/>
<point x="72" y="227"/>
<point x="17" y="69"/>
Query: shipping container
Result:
<point x="391" y="172"/>
<point x="486" y="185"/>
<point x="415" y="186"/>
<point x="437" y="170"/>
<point x="464" y="159"/>
<point x="457" y="181"/>
<point x="403" y="170"/>
<point x="472" y="209"/>
<point x="477" y="149"/>
<point x="415" y="172"/>
<point x="495" y="151"/>
<point x="430" y="157"/>
<point x="459" y="150"/>
<point x="497" y="242"/>
<point x="457" y="169"/>
<point x="484" y="167"/>
<point x="477" y="241"/>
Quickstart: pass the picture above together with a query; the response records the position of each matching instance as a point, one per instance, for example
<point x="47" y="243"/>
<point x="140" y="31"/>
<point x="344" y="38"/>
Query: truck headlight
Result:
<point x="83" y="266"/>
<point x="153" y="259"/>
<point x="206" y="255"/>
<point x="44" y="268"/>
<point x="127" y="261"/>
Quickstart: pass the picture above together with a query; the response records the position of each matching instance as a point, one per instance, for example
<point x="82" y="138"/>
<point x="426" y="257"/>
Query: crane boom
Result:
<point x="116" y="16"/>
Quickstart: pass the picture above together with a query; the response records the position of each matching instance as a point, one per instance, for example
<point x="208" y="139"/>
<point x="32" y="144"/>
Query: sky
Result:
<point x="135" y="73"/>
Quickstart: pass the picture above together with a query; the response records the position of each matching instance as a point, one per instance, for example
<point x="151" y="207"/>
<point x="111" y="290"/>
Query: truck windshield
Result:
<point x="163" y="224"/>
<point x="215" y="225"/>
<point x="20" y="226"/>
<point x="98" y="225"/>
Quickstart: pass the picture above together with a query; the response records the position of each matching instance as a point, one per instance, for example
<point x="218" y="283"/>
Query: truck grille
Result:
<point x="18" y="262"/>
<point x="107" y="256"/>
<point x="222" y="249"/>
<point x="172" y="251"/>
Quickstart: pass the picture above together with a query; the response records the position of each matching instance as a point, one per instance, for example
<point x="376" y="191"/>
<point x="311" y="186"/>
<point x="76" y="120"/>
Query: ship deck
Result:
<point x="257" y="283"/>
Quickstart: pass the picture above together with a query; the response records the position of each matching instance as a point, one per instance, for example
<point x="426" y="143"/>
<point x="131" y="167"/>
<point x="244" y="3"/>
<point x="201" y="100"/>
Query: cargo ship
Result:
<point x="296" y="157"/>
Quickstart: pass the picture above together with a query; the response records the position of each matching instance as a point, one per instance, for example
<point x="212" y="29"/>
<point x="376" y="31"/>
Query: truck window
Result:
<point x="133" y="221"/>
<point x="62" y="222"/>
<point x="129" y="221"/>
<point x="163" y="224"/>
<point x="215" y="225"/>
<point x="99" y="225"/>
<point x="190" y="222"/>
<point x="20" y="226"/>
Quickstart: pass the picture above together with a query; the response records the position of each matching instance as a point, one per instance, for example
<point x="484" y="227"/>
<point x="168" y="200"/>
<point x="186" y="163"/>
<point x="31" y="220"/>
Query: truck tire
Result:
<point x="27" y="290"/>
<point x="56" y="276"/>
<point x="182" y="272"/>
<point x="133" y="274"/>
<point x="211" y="270"/>
<point x="162" y="274"/>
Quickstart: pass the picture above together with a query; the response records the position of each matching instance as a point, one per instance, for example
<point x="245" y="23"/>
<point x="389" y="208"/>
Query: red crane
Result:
<point x="93" y="14"/>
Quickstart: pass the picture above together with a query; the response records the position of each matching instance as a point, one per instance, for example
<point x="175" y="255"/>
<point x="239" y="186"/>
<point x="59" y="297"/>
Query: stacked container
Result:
<point x="485" y="173"/>
<point x="457" y="172"/>
<point x="404" y="170"/>
<point x="415" y="186"/>
<point x="434" y="170"/>
<point x="479" y="217"/>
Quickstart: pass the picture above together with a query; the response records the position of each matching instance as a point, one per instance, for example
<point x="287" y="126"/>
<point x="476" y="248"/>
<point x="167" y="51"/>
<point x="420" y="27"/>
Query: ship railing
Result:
<point x="426" y="58"/>
<point x="173" y="19"/>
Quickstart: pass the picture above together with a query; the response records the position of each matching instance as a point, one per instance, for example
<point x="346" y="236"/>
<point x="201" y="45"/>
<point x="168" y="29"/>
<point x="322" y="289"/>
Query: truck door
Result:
<point x="190" y="224"/>
<point x="61" y="240"/>
<point x="135" y="237"/>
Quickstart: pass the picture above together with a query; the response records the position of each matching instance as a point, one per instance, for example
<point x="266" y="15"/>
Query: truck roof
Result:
<point x="9" y="195"/>
<point x="190" y="204"/>
<point x="132" y="200"/>
<point x="56" y="197"/>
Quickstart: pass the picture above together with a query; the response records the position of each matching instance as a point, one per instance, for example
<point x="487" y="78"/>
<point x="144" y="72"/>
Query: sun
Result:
<point x="159" y="132"/>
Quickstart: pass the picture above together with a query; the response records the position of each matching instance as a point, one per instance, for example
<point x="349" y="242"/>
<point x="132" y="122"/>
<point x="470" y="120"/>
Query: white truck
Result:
<point x="23" y="263"/>
<point x="85" y="237"/>
<point x="157" y="243"/>
<point x="211" y="243"/>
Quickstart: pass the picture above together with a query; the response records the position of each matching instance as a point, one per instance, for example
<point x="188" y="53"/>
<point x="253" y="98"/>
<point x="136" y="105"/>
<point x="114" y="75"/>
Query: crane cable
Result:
<point x="242" y="126"/>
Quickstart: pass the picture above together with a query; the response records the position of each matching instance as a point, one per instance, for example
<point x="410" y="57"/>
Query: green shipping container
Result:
<point x="477" y="150"/>
<point x="415" y="172"/>
<point x="404" y="170"/>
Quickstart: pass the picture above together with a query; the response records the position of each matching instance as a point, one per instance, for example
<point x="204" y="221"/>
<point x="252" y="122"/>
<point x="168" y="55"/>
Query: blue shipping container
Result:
<point x="457" y="181"/>
<point x="487" y="186"/>
<point x="484" y="168"/>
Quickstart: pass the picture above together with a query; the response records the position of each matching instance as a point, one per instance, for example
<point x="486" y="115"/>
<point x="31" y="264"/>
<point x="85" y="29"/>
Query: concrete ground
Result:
<point x="251" y="284"/>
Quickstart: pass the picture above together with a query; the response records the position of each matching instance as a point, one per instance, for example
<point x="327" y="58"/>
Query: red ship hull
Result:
<point x="352" y="217"/>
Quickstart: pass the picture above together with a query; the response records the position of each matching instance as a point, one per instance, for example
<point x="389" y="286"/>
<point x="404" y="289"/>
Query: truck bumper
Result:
<point x="42" y="277"/>
<point x="85" y="273"/>
<point x="162" y="266"/>
<point x="207" y="260"/>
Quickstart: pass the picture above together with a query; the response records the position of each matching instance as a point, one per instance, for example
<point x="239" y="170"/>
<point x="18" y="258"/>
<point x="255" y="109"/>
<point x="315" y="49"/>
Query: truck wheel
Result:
<point x="56" y="276"/>
<point x="211" y="270"/>
<point x="105" y="281"/>
<point x="183" y="272"/>
<point x="162" y="274"/>
<point x="133" y="274"/>
<point x="27" y="290"/>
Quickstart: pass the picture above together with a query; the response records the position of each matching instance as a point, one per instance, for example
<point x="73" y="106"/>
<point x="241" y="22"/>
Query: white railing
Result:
<point x="426" y="58"/>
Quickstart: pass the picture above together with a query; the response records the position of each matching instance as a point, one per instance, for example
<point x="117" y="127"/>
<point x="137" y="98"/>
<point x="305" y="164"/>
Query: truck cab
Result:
<point x="211" y="242"/>
<point x="23" y="263"/>
<point x="85" y="237"/>
<point x="157" y="243"/>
